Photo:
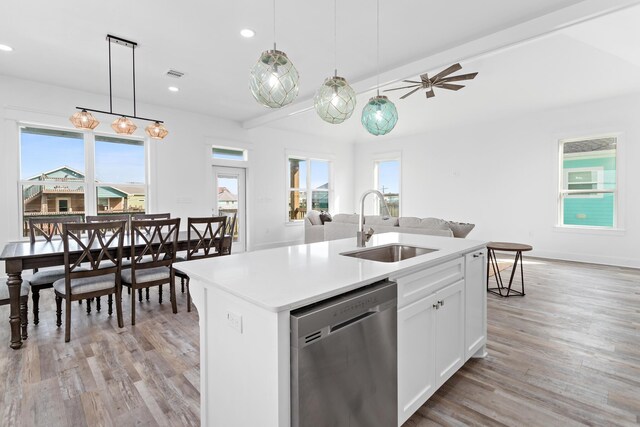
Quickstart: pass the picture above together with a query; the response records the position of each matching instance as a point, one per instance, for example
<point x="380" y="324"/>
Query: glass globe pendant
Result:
<point x="274" y="79"/>
<point x="335" y="100"/>
<point x="379" y="116"/>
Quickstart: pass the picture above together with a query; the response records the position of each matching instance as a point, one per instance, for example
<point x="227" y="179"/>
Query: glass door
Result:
<point x="229" y="184"/>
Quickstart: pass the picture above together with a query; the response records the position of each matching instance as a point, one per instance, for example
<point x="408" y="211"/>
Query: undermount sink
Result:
<point x="389" y="253"/>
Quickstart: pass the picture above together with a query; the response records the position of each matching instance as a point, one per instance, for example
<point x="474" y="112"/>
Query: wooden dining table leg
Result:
<point x="14" y="282"/>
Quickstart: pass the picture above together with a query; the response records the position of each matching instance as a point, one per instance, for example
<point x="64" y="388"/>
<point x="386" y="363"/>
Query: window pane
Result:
<point x="589" y="165"/>
<point x="297" y="205"/>
<point x="320" y="200"/>
<point x="52" y="153"/>
<point x="319" y="174"/>
<point x="297" y="173"/>
<point x="58" y="199"/>
<point x="389" y="184"/>
<point x="117" y="199"/>
<point x="119" y="160"/>
<point x="228" y="154"/>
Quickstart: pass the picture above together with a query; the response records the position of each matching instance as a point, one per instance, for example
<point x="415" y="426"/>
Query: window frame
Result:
<point x="308" y="158"/>
<point x="89" y="183"/>
<point x="592" y="193"/>
<point x="388" y="157"/>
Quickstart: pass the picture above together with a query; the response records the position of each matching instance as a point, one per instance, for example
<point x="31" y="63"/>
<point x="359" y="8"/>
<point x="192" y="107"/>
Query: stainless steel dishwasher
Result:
<point x="344" y="360"/>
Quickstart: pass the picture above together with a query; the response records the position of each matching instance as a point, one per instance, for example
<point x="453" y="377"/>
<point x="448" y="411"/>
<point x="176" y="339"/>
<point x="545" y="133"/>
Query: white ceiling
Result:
<point x="63" y="43"/>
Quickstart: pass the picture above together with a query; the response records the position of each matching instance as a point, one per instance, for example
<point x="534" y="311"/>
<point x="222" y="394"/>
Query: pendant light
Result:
<point x="379" y="116"/>
<point x="123" y="125"/>
<point x="335" y="100"/>
<point x="274" y="78"/>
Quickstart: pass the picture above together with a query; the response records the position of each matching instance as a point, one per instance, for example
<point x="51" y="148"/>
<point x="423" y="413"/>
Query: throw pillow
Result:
<point x="325" y="217"/>
<point x="460" y="229"/>
<point x="314" y="218"/>
<point x="434" y="224"/>
<point x="390" y="221"/>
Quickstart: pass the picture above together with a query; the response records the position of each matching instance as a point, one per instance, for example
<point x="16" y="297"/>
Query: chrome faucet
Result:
<point x="362" y="235"/>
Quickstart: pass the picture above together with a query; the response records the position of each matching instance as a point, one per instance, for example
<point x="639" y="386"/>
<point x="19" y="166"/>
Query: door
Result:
<point x="476" y="301"/>
<point x="449" y="331"/>
<point x="230" y="199"/>
<point x="416" y="355"/>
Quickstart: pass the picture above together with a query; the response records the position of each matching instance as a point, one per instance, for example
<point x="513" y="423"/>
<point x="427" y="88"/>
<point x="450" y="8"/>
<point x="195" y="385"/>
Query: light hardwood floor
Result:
<point x="568" y="353"/>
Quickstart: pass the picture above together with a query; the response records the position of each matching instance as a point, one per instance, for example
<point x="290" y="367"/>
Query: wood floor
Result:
<point x="566" y="354"/>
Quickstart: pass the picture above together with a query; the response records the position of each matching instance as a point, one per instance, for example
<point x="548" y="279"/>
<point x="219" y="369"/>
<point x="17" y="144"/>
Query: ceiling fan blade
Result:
<point x="410" y="93"/>
<point x="469" y="76"/>
<point x="446" y="72"/>
<point x="449" y="86"/>
<point x="411" y="81"/>
<point x="403" y="87"/>
<point x="424" y="77"/>
<point x="431" y="94"/>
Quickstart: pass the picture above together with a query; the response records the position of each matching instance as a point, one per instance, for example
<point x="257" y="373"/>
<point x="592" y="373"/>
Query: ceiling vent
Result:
<point x="175" y="74"/>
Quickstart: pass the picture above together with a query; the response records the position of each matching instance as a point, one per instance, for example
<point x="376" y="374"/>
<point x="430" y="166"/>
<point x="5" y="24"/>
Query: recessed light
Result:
<point x="173" y="89"/>
<point x="5" y="48"/>
<point x="247" y="33"/>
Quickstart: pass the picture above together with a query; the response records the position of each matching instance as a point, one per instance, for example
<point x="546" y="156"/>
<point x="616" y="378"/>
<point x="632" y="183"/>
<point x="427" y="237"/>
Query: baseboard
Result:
<point x="591" y="259"/>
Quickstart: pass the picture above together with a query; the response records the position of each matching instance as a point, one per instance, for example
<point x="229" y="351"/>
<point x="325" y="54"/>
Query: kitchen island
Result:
<point x="244" y="303"/>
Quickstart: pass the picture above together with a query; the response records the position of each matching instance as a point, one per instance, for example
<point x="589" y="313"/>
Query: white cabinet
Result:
<point x="430" y="346"/>
<point x="449" y="345"/>
<point x="475" y="303"/>
<point x="416" y="356"/>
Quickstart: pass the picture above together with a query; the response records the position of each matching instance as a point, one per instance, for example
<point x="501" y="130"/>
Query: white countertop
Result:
<point x="294" y="276"/>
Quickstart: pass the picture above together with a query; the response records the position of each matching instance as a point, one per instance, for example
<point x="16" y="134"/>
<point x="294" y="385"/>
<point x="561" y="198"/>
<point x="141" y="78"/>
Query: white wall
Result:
<point x="181" y="163"/>
<point x="502" y="176"/>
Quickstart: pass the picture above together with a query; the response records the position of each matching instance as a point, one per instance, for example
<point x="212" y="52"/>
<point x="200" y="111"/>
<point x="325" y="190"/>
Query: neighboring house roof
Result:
<point x="598" y="144"/>
<point x="61" y="172"/>
<point x="70" y="174"/>
<point x="225" y="195"/>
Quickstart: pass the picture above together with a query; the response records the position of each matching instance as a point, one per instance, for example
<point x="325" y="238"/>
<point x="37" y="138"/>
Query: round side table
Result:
<point x="492" y="262"/>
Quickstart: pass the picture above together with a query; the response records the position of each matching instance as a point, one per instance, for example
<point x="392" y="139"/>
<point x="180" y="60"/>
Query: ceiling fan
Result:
<point x="440" y="80"/>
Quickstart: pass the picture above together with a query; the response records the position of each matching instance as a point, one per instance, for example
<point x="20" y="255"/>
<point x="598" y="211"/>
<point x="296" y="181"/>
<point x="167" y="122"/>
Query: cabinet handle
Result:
<point x="478" y="255"/>
<point x="441" y="303"/>
<point x="436" y="306"/>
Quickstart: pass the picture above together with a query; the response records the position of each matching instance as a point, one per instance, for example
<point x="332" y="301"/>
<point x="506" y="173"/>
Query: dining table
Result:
<point x="19" y="256"/>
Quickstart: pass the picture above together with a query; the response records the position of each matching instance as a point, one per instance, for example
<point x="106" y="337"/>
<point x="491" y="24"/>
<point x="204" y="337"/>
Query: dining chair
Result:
<point x="46" y="229"/>
<point x="153" y="252"/>
<point x="208" y="234"/>
<point x="229" y="233"/>
<point x="143" y="217"/>
<point x="24" y="302"/>
<point x="111" y="218"/>
<point x="90" y="245"/>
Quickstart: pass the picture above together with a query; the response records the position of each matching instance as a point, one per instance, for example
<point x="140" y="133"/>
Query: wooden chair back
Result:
<point x="147" y="216"/>
<point x="87" y="246"/>
<point x="49" y="227"/>
<point x="227" y="241"/>
<point x="209" y="240"/>
<point x="160" y="240"/>
<point x="110" y="218"/>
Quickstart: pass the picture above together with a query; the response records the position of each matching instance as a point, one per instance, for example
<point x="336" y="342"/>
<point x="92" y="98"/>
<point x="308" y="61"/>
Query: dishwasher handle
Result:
<point x="353" y="320"/>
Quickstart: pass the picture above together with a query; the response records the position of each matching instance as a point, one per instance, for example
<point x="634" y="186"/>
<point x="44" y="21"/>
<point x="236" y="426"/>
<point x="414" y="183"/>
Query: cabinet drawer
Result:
<point x="422" y="283"/>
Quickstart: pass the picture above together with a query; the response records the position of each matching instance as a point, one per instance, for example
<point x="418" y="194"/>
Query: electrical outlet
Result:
<point x="235" y="321"/>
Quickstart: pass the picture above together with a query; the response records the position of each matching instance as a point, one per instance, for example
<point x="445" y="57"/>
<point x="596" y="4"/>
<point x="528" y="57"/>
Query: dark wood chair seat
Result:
<point x="24" y="302"/>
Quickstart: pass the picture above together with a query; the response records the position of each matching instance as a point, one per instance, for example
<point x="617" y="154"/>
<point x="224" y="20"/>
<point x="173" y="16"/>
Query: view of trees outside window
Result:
<point x="388" y="183"/>
<point x="53" y="174"/>
<point x="588" y="189"/>
<point x="309" y="186"/>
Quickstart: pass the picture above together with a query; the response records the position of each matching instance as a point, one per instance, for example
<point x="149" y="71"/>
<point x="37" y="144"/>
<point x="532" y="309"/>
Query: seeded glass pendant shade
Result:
<point x="274" y="79"/>
<point x="123" y="126"/>
<point x="156" y="131"/>
<point x="335" y="100"/>
<point x="84" y="120"/>
<point x="379" y="116"/>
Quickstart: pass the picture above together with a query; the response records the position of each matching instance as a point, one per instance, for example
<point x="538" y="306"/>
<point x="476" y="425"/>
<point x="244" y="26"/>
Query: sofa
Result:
<point x="320" y="227"/>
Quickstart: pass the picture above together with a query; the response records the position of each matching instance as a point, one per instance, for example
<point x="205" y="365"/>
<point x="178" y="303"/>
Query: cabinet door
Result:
<point x="449" y="331"/>
<point x="416" y="356"/>
<point x="475" y="302"/>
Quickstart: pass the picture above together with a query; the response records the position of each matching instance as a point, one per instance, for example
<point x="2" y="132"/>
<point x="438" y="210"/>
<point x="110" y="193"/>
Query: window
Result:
<point x="588" y="182"/>
<point x="54" y="177"/>
<point x="387" y="176"/>
<point x="228" y="154"/>
<point x="309" y="186"/>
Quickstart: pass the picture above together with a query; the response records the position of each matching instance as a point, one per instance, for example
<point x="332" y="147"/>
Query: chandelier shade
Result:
<point x="84" y="120"/>
<point x="335" y="100"/>
<point x="124" y="126"/>
<point x="156" y="130"/>
<point x="379" y="116"/>
<point x="274" y="79"/>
